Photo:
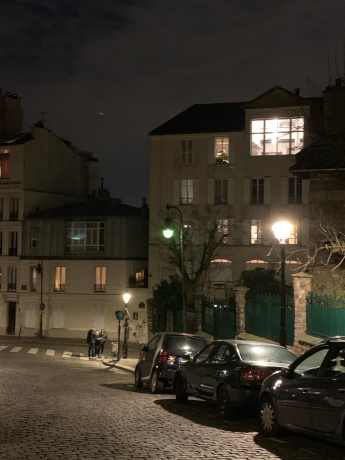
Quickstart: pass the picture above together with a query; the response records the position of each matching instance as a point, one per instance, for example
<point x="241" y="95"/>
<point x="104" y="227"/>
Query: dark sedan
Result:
<point x="229" y="372"/>
<point x="309" y="396"/>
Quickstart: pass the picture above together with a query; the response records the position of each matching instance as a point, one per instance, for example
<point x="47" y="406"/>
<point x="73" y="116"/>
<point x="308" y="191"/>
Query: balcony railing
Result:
<point x="59" y="287"/>
<point x="99" y="287"/>
<point x="133" y="283"/>
<point x="12" y="251"/>
<point x="12" y="286"/>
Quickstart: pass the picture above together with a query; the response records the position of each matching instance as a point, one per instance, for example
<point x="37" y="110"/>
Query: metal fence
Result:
<point x="325" y="315"/>
<point x="262" y="316"/>
<point x="219" y="318"/>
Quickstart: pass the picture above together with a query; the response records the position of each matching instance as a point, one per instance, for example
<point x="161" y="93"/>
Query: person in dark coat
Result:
<point x="103" y="338"/>
<point x="91" y="340"/>
<point x="97" y="343"/>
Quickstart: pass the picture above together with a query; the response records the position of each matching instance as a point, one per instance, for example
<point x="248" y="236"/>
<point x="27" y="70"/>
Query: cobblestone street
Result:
<point x="56" y="408"/>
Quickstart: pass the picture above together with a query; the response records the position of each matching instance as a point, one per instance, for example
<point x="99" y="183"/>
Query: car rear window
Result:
<point x="265" y="354"/>
<point x="184" y="344"/>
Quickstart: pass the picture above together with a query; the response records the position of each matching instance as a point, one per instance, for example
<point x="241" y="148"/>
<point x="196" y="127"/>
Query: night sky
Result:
<point x="108" y="72"/>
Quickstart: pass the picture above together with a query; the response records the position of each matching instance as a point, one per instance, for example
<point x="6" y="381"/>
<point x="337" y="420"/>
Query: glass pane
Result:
<point x="267" y="354"/>
<point x="271" y="126"/>
<point x="257" y="144"/>
<point x="204" y="354"/>
<point x="283" y="144"/>
<point x="310" y="365"/>
<point x="257" y="126"/>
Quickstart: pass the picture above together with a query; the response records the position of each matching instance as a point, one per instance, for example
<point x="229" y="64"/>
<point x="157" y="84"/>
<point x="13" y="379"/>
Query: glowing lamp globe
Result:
<point x="168" y="229"/>
<point x="282" y="231"/>
<point x="126" y="297"/>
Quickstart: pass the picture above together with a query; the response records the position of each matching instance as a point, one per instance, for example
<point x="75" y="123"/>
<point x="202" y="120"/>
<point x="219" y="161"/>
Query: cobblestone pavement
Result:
<point x="75" y="409"/>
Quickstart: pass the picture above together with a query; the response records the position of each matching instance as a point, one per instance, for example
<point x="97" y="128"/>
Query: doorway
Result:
<point x="11" y="322"/>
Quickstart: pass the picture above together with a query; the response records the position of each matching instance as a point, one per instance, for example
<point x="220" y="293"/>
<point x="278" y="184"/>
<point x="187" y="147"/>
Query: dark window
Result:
<point x="4" y="164"/>
<point x="221" y="196"/>
<point x="257" y="191"/>
<point x="295" y="190"/>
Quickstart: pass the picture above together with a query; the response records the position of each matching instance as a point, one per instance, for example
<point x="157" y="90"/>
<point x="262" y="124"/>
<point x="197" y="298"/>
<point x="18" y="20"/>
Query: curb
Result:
<point x="119" y="366"/>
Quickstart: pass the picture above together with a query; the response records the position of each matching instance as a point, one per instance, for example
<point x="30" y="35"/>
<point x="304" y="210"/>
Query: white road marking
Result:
<point x="50" y="352"/>
<point x="67" y="354"/>
<point x="15" y="349"/>
<point x="3" y="347"/>
<point x="85" y="357"/>
<point x="33" y="351"/>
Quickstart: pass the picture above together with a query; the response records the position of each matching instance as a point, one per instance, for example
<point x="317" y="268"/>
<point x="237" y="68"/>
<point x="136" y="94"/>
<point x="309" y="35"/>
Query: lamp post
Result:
<point x="126" y="298"/>
<point x="168" y="232"/>
<point x="39" y="270"/>
<point x="282" y="232"/>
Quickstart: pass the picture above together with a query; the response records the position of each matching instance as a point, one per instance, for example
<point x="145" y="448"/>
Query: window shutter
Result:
<point x="176" y="191"/>
<point x="284" y="187"/>
<point x="231" y="231"/>
<point x="305" y="191"/>
<point x="210" y="191"/>
<point x="231" y="150"/>
<point x="246" y="190"/>
<point x="231" y="190"/>
<point x="211" y="155"/>
<point x="195" y="191"/>
<point x="304" y="232"/>
<point x="267" y="189"/>
<point x="246" y="232"/>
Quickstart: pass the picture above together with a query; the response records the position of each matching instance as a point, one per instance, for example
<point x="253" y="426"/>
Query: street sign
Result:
<point x="42" y="306"/>
<point x="141" y="305"/>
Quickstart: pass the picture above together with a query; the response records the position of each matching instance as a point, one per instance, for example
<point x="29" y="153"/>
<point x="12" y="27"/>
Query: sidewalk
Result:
<point x="127" y="364"/>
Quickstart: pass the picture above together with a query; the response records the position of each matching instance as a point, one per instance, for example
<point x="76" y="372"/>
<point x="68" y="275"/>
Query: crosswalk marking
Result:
<point x="50" y="352"/>
<point x="3" y="347"/>
<point x="84" y="357"/>
<point x="15" y="349"/>
<point x="67" y="354"/>
<point x="33" y="351"/>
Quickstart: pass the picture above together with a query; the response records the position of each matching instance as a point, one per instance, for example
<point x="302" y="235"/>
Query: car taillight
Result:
<point x="255" y="375"/>
<point x="163" y="356"/>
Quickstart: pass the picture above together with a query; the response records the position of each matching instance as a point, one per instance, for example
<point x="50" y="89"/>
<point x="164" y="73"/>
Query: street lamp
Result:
<point x="282" y="232"/>
<point x="39" y="270"/>
<point x="126" y="296"/>
<point x="168" y="232"/>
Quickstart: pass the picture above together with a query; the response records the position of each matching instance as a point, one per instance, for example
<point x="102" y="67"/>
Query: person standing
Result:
<point x="103" y="338"/>
<point x="91" y="340"/>
<point x="97" y="343"/>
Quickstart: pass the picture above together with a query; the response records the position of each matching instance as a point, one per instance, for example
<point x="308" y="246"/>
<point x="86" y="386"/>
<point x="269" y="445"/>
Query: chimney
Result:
<point x="297" y="90"/>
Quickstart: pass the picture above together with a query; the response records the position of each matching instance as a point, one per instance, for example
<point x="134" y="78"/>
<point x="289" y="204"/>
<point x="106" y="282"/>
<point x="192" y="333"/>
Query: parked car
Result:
<point x="309" y="395"/>
<point x="161" y="357"/>
<point x="229" y="372"/>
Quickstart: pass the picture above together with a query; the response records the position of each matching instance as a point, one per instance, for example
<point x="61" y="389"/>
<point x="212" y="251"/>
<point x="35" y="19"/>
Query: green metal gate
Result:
<point x="219" y="318"/>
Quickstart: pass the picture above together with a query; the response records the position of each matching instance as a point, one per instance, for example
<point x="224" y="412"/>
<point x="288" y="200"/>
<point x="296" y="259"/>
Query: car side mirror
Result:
<point x="287" y="372"/>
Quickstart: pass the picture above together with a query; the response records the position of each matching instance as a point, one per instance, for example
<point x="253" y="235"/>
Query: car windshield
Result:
<point x="184" y="344"/>
<point x="265" y="354"/>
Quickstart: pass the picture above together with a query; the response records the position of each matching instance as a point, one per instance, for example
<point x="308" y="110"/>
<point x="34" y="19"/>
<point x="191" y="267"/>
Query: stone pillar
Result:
<point x="240" y="296"/>
<point x="301" y="287"/>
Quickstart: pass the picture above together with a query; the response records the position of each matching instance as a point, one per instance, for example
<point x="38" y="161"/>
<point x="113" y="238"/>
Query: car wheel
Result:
<point x="137" y="380"/>
<point x="156" y="385"/>
<point x="224" y="406"/>
<point x="268" y="418"/>
<point x="181" y="394"/>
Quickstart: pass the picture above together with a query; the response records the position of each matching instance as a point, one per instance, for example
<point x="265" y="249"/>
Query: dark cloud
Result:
<point x="141" y="62"/>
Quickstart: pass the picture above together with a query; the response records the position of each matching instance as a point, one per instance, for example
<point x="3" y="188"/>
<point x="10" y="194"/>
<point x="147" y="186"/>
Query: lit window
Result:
<point x="258" y="190"/>
<point x="222" y="149"/>
<point x="33" y="279"/>
<point x="60" y="279"/>
<point x="221" y="192"/>
<point x="256" y="263"/>
<point x="141" y="278"/>
<point x="256" y="232"/>
<point x="282" y="136"/>
<point x="186" y="152"/>
<point x="85" y="236"/>
<point x="295" y="190"/>
<point x="293" y="239"/>
<point x="100" y="279"/>
<point x="186" y="191"/>
<point x="223" y="229"/>
<point x="4" y="163"/>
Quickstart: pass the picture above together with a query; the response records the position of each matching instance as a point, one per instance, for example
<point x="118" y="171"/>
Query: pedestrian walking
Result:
<point x="103" y="338"/>
<point x="91" y="340"/>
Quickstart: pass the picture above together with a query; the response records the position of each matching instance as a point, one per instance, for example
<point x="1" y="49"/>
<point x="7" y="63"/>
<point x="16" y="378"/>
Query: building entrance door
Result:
<point x="11" y="321"/>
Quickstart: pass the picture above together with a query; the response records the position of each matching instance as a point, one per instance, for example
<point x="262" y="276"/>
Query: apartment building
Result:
<point x="234" y="159"/>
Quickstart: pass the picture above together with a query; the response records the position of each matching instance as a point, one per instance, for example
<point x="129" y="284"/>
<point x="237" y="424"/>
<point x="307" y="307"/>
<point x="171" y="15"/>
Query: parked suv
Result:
<point x="161" y="357"/>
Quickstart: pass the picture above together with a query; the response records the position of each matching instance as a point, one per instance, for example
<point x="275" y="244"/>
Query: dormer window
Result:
<point x="278" y="136"/>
